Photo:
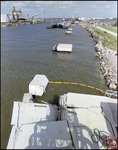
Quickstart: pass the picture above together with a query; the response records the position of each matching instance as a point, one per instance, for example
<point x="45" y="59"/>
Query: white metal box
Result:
<point x="64" y="47"/>
<point x="38" y="84"/>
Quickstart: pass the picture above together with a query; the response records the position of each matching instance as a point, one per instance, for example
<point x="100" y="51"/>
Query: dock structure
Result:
<point x="63" y="48"/>
<point x="38" y="85"/>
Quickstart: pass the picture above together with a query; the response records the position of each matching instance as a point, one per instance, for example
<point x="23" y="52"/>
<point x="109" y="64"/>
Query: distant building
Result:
<point x="83" y="19"/>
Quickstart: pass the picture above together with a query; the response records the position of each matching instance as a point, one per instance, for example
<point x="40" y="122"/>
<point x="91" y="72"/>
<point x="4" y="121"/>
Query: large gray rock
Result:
<point x="108" y="63"/>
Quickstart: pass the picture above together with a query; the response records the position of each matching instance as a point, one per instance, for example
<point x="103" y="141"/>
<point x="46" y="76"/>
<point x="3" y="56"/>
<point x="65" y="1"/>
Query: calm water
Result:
<point x="26" y="50"/>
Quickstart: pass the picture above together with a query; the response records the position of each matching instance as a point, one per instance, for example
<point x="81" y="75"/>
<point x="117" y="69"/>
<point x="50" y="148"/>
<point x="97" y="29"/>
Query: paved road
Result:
<point x="115" y="34"/>
<point x="112" y="27"/>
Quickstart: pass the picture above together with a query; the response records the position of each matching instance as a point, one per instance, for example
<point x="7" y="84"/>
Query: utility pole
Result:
<point x="63" y="15"/>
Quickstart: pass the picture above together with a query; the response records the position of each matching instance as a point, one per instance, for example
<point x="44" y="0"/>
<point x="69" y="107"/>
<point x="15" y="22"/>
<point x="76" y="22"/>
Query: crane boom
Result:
<point x="37" y="14"/>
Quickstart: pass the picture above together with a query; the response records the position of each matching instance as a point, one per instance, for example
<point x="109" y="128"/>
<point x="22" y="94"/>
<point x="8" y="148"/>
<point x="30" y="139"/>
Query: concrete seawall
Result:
<point x="108" y="60"/>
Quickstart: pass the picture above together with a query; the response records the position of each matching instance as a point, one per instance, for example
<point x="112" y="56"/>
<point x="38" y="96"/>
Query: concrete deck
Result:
<point x="84" y="113"/>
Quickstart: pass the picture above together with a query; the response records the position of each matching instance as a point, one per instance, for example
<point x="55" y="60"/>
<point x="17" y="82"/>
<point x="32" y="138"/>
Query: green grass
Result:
<point x="115" y="26"/>
<point x="108" y="28"/>
<point x="108" y="40"/>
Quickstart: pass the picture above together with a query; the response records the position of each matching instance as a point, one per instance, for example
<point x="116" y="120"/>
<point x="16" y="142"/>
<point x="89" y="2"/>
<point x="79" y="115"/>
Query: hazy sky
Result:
<point x="58" y="9"/>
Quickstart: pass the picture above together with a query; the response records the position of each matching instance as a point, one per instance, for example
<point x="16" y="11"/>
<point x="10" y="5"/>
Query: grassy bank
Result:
<point x="108" y="28"/>
<point x="108" y="40"/>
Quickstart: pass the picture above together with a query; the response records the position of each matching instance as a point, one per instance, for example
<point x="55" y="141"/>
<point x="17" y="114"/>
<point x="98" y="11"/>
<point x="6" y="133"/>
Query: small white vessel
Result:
<point x="76" y="22"/>
<point x="69" y="29"/>
<point x="68" y="32"/>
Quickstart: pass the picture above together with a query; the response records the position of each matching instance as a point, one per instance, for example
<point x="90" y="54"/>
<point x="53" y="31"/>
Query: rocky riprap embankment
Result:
<point x="108" y="60"/>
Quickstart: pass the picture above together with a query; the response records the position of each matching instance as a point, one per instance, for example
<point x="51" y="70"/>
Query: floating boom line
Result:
<point x="109" y="93"/>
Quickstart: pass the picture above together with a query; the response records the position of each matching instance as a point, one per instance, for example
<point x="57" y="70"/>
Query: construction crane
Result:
<point x="37" y="14"/>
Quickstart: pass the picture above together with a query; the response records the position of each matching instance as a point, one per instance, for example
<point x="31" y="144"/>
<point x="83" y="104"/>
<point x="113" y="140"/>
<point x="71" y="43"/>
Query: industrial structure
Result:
<point x="16" y="16"/>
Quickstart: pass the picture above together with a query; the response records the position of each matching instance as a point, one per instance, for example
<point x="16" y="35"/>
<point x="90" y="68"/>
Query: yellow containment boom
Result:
<point x="80" y="85"/>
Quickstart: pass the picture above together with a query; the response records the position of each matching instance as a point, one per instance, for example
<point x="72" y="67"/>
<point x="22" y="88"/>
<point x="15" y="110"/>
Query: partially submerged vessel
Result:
<point x="64" y="24"/>
<point x="62" y="48"/>
<point x="61" y="25"/>
<point x="52" y="26"/>
<point x="81" y="121"/>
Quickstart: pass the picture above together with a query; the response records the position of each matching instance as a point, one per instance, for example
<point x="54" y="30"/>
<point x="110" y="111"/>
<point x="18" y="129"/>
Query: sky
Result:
<point x="62" y="9"/>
